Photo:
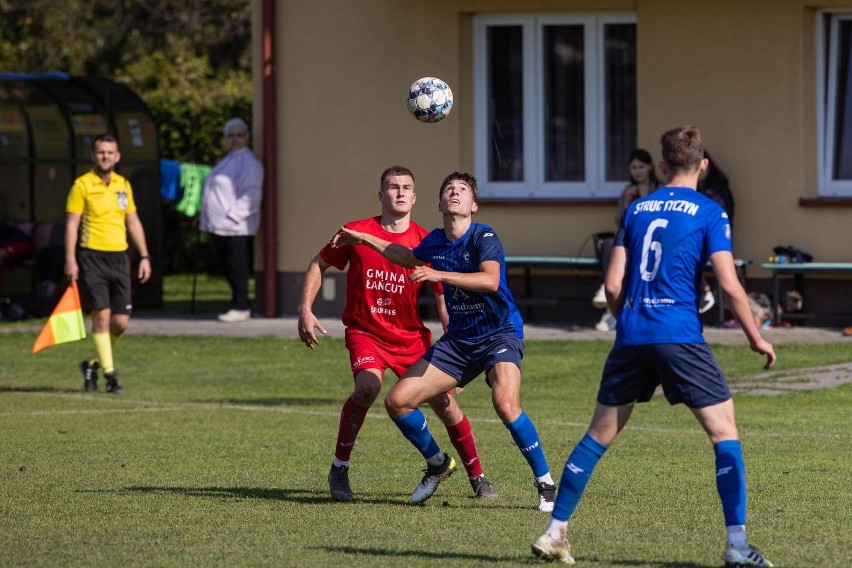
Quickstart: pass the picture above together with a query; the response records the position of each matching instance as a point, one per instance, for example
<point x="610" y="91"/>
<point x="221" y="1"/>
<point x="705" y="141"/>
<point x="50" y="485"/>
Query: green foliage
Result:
<point x="217" y="455"/>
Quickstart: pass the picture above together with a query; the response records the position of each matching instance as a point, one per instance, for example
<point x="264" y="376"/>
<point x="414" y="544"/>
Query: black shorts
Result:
<point x="104" y="280"/>
<point x="688" y="373"/>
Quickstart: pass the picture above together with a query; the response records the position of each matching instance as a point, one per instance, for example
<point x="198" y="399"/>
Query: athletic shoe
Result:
<point x="90" y="375"/>
<point x="113" y="386"/>
<point x="433" y="476"/>
<point x="707" y="302"/>
<point x="546" y="496"/>
<point x="599" y="300"/>
<point x="551" y="550"/>
<point x="482" y="488"/>
<point x="338" y="483"/>
<point x="235" y="316"/>
<point x="748" y="557"/>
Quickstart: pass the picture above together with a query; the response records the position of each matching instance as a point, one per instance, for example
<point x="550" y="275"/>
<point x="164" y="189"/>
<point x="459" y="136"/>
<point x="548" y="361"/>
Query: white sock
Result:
<point x="737" y="537"/>
<point x="338" y="463"/>
<point x="545" y="479"/>
<point x="556" y="529"/>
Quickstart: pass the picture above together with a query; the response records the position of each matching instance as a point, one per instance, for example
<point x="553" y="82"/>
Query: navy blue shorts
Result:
<point x="466" y="360"/>
<point x="688" y="373"/>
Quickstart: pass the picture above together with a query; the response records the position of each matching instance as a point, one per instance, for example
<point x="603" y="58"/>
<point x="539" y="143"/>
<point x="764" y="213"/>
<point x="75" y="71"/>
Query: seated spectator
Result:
<point x="643" y="180"/>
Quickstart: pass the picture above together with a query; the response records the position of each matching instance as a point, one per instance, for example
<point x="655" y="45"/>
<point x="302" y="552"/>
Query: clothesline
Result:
<point x="183" y="184"/>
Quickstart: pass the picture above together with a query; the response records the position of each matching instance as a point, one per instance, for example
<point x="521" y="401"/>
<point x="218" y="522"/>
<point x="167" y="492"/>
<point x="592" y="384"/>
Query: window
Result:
<point x="834" y="91"/>
<point x="555" y="105"/>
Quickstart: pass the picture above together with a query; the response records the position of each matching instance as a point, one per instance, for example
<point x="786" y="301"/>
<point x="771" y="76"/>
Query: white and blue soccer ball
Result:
<point x="430" y="99"/>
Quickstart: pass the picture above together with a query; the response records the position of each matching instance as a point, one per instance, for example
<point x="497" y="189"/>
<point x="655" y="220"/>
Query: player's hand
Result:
<point x="458" y="390"/>
<point x="144" y="270"/>
<point x="307" y="324"/>
<point x="765" y="348"/>
<point x="424" y="274"/>
<point x="346" y="237"/>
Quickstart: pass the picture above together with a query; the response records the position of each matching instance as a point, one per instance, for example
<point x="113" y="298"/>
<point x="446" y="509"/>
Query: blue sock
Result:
<point x="526" y="437"/>
<point x="730" y="481"/>
<point x="413" y="427"/>
<point x="578" y="469"/>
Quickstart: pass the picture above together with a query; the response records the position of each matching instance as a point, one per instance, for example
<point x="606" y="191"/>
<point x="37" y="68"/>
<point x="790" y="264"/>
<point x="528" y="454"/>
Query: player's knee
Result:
<point x="507" y="410"/>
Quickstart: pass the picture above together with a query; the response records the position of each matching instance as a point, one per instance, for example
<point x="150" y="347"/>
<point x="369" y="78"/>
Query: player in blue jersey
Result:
<point x="660" y="252"/>
<point x="485" y="333"/>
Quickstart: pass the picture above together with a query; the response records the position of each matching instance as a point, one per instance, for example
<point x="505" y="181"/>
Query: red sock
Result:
<point x="461" y="435"/>
<point x="351" y="419"/>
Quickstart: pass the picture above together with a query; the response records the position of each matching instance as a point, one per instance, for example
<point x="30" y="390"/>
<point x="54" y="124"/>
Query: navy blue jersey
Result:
<point x="668" y="236"/>
<point x="473" y="315"/>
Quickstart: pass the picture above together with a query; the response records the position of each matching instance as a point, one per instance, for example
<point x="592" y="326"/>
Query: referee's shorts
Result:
<point x="105" y="280"/>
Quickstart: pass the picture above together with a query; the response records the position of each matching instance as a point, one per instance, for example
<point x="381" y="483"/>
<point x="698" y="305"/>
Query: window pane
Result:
<point x="620" y="96"/>
<point x="564" y="104"/>
<point x="505" y="103"/>
<point x="843" y="105"/>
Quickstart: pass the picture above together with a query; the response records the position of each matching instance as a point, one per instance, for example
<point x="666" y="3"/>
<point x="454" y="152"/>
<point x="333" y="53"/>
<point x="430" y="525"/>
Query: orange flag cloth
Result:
<point x="65" y="323"/>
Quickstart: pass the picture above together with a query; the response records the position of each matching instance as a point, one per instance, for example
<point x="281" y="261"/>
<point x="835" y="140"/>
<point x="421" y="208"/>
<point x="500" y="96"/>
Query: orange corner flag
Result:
<point x="65" y="323"/>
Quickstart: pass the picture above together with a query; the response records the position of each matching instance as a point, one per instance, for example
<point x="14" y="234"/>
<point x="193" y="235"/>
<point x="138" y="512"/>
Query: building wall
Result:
<point x="743" y="72"/>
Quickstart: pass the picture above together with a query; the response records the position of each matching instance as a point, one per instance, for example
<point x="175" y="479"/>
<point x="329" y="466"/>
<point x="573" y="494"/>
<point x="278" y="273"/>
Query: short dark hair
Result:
<point x="394" y="171"/>
<point x="460" y="176"/>
<point x="683" y="149"/>
<point x="104" y="138"/>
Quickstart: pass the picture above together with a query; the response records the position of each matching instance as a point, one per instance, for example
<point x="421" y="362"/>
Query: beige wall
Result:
<point x="743" y="72"/>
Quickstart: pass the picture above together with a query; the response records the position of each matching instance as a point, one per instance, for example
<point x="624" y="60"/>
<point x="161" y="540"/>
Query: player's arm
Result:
<point x="310" y="288"/>
<point x="486" y="280"/>
<point x="614" y="280"/>
<point x="726" y="274"/>
<point x="395" y="253"/>
<point x="441" y="306"/>
<point x="137" y="235"/>
<point x="72" y="228"/>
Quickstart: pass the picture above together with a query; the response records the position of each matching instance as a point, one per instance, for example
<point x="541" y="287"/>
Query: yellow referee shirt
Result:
<point x="103" y="209"/>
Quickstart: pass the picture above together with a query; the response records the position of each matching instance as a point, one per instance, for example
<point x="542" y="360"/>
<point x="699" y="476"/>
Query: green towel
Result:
<point x="192" y="178"/>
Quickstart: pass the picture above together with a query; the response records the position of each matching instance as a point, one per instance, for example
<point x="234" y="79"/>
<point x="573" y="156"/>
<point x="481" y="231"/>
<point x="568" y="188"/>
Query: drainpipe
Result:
<point x="270" y="222"/>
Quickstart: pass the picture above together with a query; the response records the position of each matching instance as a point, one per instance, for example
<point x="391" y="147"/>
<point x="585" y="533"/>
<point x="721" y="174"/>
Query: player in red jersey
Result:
<point x="383" y="328"/>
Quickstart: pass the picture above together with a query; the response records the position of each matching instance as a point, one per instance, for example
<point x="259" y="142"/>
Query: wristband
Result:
<point x="146" y="257"/>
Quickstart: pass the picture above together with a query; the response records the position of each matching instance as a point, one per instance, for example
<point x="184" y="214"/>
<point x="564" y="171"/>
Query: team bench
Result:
<point x="798" y="270"/>
<point x="588" y="265"/>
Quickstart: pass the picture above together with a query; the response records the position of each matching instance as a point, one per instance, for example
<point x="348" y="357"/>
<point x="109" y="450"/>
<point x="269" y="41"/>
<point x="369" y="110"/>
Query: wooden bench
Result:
<point x="528" y="263"/>
<point x="799" y="270"/>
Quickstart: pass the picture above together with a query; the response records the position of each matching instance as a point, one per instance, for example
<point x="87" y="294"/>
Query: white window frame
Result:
<point x="827" y="78"/>
<point x="534" y="185"/>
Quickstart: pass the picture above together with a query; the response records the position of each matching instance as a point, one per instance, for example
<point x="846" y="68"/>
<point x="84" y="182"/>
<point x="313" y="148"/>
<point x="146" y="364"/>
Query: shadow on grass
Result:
<point x="302" y="496"/>
<point x="4" y="388"/>
<point x="276" y="401"/>
<point x="419" y="553"/>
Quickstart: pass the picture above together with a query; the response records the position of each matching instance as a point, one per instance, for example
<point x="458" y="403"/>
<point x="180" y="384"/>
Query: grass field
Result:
<point x="218" y="451"/>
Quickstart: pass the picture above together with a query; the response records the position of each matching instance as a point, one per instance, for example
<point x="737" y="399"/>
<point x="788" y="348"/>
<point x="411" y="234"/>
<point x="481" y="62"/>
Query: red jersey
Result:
<point x="380" y="298"/>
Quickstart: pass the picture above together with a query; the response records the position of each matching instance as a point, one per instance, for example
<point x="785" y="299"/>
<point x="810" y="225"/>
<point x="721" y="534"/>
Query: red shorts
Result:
<point x="366" y="351"/>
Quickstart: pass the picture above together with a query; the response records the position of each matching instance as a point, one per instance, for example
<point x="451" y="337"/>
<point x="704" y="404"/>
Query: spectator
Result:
<point x="230" y="212"/>
<point x="714" y="184"/>
<point x="643" y="180"/>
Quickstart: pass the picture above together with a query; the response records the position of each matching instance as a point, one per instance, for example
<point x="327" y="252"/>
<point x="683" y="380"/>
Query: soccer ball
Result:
<point x="429" y="99"/>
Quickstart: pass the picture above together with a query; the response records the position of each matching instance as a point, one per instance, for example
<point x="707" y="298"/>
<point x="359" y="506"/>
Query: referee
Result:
<point x="101" y="213"/>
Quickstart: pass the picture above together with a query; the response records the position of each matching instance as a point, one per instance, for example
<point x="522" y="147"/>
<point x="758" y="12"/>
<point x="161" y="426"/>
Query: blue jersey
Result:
<point x="668" y="237"/>
<point x="473" y="315"/>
